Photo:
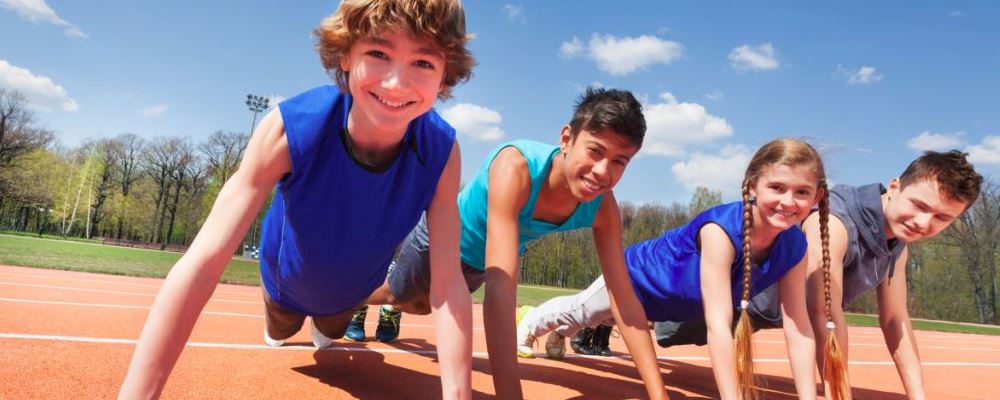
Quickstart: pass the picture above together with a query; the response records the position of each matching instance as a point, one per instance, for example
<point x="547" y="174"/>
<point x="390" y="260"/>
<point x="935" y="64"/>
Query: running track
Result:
<point x="70" y="335"/>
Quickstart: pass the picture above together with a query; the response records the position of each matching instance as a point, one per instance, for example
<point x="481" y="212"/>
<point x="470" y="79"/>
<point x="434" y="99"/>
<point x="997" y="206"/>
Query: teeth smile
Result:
<point x="590" y="185"/>
<point x="784" y="213"/>
<point x="392" y="104"/>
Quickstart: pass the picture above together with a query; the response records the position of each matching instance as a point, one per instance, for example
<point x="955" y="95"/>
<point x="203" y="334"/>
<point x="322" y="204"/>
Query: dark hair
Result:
<point x="599" y="109"/>
<point x="955" y="176"/>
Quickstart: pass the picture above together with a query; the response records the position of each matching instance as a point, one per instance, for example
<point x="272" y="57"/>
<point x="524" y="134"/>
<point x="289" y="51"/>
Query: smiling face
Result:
<point x="919" y="210"/>
<point x="393" y="79"/>
<point x="785" y="194"/>
<point x="594" y="161"/>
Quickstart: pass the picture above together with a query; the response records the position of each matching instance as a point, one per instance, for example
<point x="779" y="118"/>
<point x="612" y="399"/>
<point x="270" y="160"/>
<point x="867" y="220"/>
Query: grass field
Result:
<point x="88" y="256"/>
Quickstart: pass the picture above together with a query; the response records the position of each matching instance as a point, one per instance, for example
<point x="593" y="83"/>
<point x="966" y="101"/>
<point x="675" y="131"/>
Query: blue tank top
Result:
<point x="334" y="225"/>
<point x="472" y="201"/>
<point x="666" y="271"/>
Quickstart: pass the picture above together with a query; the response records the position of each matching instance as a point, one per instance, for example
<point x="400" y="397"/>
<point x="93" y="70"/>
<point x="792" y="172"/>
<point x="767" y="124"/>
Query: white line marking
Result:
<point x="83" y="339"/>
<point x="216" y="313"/>
<point x="30" y="285"/>
<point x="117" y="282"/>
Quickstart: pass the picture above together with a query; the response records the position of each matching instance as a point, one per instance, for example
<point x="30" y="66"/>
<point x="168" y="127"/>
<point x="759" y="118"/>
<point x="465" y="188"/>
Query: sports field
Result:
<point x="70" y="335"/>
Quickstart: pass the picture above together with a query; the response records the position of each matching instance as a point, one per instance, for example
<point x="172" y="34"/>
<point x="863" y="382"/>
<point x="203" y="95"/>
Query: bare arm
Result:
<point x="509" y="186"/>
<point x="815" y="298"/>
<point x="798" y="331"/>
<point x="895" y="322"/>
<point x="193" y="279"/>
<point x="717" y="254"/>
<point x="628" y="312"/>
<point x="449" y="296"/>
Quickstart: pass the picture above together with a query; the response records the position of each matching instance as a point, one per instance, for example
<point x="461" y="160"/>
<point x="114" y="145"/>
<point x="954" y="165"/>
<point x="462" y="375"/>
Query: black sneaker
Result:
<point x="356" y="328"/>
<point x="602" y="337"/>
<point x="582" y="342"/>
<point x="388" y="324"/>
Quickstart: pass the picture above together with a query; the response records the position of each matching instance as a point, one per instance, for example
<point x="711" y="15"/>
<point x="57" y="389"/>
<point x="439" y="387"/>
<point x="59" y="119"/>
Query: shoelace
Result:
<point x="392" y="318"/>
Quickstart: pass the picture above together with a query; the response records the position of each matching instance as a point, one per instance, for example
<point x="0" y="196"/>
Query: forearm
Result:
<point x="640" y="346"/>
<point x="453" y="318"/>
<point x="634" y="327"/>
<point x="723" y="358"/>
<point x="903" y="347"/>
<point x="498" y="306"/>
<point x="167" y="329"/>
<point x="801" y="349"/>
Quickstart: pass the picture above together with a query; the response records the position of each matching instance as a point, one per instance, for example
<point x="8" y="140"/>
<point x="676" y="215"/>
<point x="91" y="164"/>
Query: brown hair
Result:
<point x="440" y="22"/>
<point x="955" y="176"/>
<point x="792" y="152"/>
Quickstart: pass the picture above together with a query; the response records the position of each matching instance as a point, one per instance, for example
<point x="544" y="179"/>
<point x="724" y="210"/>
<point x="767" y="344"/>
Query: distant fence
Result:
<point x="144" y="245"/>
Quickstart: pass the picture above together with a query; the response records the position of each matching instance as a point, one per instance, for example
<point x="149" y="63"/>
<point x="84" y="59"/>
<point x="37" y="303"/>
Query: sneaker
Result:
<point x="525" y="342"/>
<point x="319" y="339"/>
<point x="388" y="324"/>
<point x="582" y="342"/>
<point x="602" y="335"/>
<point x="356" y="328"/>
<point x="555" y="345"/>
<point x="272" y="342"/>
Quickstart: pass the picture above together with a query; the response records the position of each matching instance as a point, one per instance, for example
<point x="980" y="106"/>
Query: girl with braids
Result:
<point x="711" y="267"/>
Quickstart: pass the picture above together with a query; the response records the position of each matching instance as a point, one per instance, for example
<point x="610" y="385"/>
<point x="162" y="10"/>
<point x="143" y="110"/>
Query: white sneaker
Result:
<point x="272" y="342"/>
<point x="555" y="345"/>
<point x="319" y="339"/>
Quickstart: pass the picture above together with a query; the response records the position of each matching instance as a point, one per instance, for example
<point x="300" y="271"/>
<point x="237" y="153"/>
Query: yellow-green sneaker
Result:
<point x="525" y="342"/>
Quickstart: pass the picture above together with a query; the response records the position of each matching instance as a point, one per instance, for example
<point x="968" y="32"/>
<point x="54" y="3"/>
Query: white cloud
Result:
<point x="515" y="13"/>
<point x="986" y="152"/>
<point x="957" y="14"/>
<point x="154" y="111"/>
<point x="927" y="140"/>
<point x="866" y="75"/>
<point x="38" y="11"/>
<point x="746" y="58"/>
<point x="623" y="56"/>
<point x="723" y="171"/>
<point x="571" y="49"/>
<point x="475" y="121"/>
<point x="715" y="95"/>
<point x="671" y="125"/>
<point x="41" y="92"/>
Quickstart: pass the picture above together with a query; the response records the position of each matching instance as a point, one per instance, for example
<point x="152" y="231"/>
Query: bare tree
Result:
<point x="18" y="135"/>
<point x="160" y="160"/>
<point x="106" y="157"/>
<point x="223" y="151"/>
<point x="184" y="157"/>
<point x="976" y="234"/>
<point x="128" y="150"/>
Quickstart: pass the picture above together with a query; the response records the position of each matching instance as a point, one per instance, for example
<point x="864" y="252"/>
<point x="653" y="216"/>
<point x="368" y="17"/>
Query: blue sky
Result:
<point x="869" y="83"/>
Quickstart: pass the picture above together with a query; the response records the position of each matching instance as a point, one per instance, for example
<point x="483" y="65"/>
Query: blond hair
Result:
<point x="440" y="22"/>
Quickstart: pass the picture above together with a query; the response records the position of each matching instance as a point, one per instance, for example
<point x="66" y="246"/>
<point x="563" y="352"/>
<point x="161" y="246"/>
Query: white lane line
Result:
<point x="255" y="293"/>
<point x="921" y="346"/>
<point x="216" y="313"/>
<point x="30" y="285"/>
<point x="84" y="339"/>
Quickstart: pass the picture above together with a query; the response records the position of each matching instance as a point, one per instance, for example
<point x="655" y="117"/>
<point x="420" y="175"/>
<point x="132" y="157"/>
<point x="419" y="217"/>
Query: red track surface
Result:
<point x="70" y="335"/>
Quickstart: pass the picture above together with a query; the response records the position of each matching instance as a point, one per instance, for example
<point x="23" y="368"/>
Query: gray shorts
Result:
<point x="410" y="277"/>
<point x="764" y="311"/>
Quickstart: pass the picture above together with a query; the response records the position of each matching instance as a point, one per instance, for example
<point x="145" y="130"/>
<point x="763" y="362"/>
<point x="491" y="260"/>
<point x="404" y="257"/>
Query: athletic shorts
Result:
<point x="410" y="277"/>
<point x="282" y="323"/>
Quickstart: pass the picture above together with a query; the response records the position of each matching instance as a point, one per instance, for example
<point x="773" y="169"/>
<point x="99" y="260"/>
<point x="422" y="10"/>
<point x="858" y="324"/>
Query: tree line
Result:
<point x="159" y="191"/>
<point x="125" y="188"/>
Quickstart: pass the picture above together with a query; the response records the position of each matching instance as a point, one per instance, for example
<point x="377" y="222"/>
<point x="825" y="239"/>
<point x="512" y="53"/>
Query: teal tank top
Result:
<point x="472" y="201"/>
